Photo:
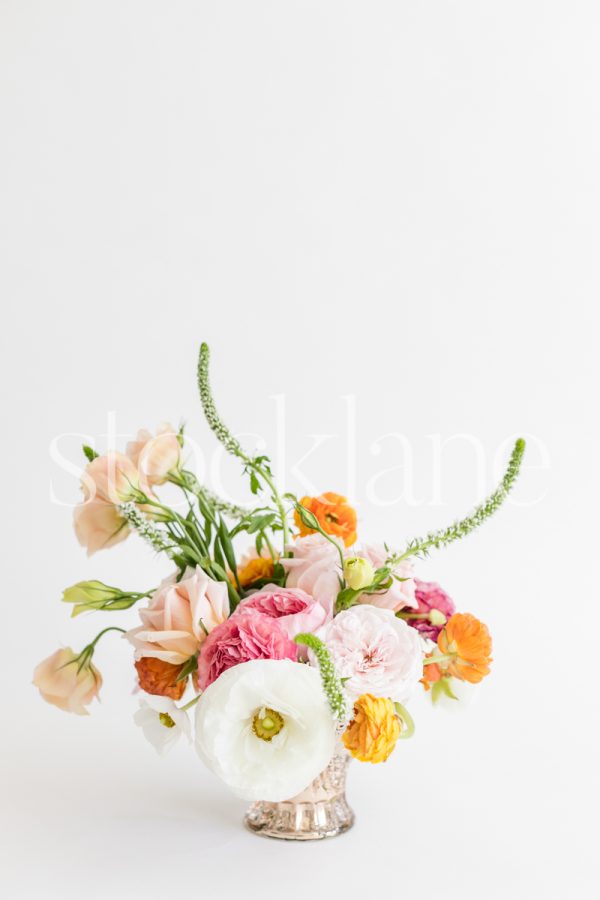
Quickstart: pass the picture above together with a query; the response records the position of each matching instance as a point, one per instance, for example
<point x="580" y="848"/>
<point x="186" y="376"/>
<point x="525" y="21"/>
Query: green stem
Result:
<point x="405" y="615"/>
<point x="278" y="502"/>
<point x="406" y="719"/>
<point x="104" y="631"/>
<point x="267" y="541"/>
<point x="191" y="703"/>
<point x="438" y="659"/>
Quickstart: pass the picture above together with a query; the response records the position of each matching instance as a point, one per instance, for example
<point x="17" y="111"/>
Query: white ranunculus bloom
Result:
<point x="265" y="728"/>
<point x="162" y="722"/>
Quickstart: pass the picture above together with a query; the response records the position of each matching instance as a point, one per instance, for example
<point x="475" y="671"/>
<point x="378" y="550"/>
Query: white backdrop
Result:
<point x="392" y="202"/>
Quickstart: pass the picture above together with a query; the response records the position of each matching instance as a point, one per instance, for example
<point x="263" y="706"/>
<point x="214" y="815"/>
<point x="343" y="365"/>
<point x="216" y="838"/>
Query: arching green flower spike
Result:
<point x="456" y="531"/>
<point x="331" y="683"/>
<point x="221" y="431"/>
<point x="257" y="467"/>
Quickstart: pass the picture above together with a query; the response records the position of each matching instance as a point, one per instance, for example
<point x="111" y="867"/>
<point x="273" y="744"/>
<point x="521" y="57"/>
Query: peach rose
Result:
<point x="155" y="455"/>
<point x="179" y="617"/>
<point x="61" y="684"/>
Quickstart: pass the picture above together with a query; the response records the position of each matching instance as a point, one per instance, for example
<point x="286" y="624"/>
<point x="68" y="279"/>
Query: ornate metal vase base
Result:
<point x="320" y="811"/>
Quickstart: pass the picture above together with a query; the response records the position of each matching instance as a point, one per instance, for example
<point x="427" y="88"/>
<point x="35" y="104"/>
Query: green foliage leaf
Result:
<point x="89" y="452"/>
<point x="188" y="668"/>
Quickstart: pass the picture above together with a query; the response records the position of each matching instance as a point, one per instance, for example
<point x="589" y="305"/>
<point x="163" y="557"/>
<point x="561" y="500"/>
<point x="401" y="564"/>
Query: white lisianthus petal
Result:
<point x="160" y="736"/>
<point x="253" y="768"/>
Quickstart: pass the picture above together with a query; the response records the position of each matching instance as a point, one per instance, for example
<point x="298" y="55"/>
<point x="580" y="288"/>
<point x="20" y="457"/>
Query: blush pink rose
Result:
<point x="294" y="609"/>
<point x="314" y="568"/>
<point x="180" y="614"/>
<point x="402" y="593"/>
<point x="430" y="596"/>
<point x="375" y="652"/>
<point x="245" y="636"/>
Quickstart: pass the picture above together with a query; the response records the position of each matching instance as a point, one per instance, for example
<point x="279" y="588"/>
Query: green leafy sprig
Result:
<point x="420" y="547"/>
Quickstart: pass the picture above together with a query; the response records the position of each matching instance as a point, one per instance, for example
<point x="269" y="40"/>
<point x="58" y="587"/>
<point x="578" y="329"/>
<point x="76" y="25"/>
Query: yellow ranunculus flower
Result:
<point x="372" y="734"/>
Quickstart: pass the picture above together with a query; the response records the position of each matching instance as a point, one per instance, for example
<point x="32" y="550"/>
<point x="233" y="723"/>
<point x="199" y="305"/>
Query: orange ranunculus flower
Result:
<point x="255" y="569"/>
<point x="159" y="677"/>
<point x="431" y="674"/>
<point x="335" y="516"/>
<point x="372" y="734"/>
<point x="469" y="642"/>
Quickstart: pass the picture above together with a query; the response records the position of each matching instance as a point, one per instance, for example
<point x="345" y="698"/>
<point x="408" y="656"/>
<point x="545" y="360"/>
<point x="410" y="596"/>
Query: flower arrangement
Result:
<point x="309" y="645"/>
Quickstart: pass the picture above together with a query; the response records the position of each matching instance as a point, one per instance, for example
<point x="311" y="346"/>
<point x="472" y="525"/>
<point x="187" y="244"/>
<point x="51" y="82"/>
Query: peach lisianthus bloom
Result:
<point x="179" y="617"/>
<point x="372" y="734"/>
<point x="112" y="477"/>
<point x="98" y="525"/>
<point x="334" y="514"/>
<point x="469" y="643"/>
<point x="106" y="481"/>
<point x="59" y="682"/>
<point x="155" y="455"/>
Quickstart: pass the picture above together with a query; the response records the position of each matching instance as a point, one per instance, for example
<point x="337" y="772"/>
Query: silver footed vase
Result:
<point x="320" y="811"/>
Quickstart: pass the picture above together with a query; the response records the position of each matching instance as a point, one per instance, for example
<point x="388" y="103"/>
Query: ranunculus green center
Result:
<point x="267" y="723"/>
<point x="166" y="720"/>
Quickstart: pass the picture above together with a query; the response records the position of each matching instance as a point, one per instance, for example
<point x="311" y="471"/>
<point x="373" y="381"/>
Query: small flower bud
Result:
<point x="358" y="572"/>
<point x="437" y="617"/>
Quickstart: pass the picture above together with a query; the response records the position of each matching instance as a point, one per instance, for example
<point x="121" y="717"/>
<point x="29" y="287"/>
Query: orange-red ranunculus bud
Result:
<point x="159" y="677"/>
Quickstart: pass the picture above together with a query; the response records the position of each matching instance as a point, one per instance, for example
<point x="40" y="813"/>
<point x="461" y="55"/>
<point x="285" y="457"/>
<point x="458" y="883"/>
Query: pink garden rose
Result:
<point x="294" y="610"/>
<point x="245" y="636"/>
<point x="180" y="614"/>
<point x="155" y="455"/>
<point x="401" y="594"/>
<point x="378" y="653"/>
<point x="315" y="569"/>
<point x="61" y="684"/>
<point x="430" y="596"/>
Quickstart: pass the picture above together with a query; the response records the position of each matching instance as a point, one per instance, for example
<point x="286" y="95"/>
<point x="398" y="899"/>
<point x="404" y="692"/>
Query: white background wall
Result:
<point x="396" y="201"/>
